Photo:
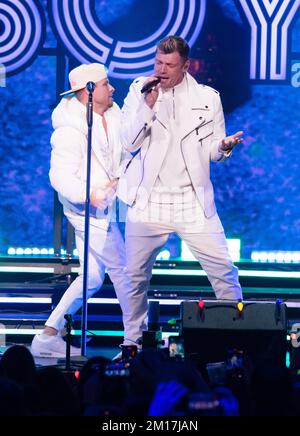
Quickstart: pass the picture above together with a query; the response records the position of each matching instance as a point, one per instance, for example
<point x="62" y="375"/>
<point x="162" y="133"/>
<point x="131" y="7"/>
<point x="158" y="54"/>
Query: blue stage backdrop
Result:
<point x="247" y="49"/>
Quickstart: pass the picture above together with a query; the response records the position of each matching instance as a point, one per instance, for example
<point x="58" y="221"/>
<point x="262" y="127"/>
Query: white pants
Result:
<point x="144" y="240"/>
<point x="106" y="249"/>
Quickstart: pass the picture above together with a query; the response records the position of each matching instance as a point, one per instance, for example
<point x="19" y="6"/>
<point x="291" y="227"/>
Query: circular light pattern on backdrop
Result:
<point x="78" y="28"/>
<point x="22" y="33"/>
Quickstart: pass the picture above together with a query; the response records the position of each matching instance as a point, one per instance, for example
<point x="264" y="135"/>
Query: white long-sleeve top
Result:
<point x="69" y="158"/>
<point x="148" y="131"/>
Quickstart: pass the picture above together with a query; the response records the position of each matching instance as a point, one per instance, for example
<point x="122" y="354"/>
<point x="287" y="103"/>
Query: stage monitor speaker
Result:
<point x="211" y="331"/>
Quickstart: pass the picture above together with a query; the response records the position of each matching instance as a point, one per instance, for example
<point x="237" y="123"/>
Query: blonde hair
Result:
<point x="172" y="44"/>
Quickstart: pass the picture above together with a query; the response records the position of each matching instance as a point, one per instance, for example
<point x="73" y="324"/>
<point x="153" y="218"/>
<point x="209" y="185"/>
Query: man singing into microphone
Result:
<point x="68" y="178"/>
<point x="173" y="130"/>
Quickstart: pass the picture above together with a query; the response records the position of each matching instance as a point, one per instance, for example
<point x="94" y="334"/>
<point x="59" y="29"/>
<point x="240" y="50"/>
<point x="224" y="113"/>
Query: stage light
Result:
<point x="240" y="307"/>
<point x="255" y="256"/>
<point x="201" y="304"/>
<point x="263" y="256"/>
<point x="271" y="257"/>
<point x="172" y="321"/>
<point x="26" y="300"/>
<point x="288" y="257"/>
<point x="276" y="256"/>
<point x="296" y="257"/>
<point x="28" y="251"/>
<point x="279" y="257"/>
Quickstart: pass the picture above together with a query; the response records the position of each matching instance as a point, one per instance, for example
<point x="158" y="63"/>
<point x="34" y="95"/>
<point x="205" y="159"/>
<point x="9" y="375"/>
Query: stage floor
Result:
<point x="76" y="362"/>
<point x="30" y="286"/>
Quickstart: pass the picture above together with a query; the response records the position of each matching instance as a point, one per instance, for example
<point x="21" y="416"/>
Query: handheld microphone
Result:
<point x="150" y="85"/>
<point x="90" y="86"/>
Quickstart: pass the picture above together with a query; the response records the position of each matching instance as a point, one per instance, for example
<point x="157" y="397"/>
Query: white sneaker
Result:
<point x="51" y="346"/>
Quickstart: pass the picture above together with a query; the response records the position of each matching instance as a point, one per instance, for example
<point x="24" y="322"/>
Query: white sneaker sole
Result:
<point x="53" y="354"/>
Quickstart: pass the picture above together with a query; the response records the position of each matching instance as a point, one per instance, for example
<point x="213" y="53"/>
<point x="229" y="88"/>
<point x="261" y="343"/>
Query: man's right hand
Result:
<point x="101" y="198"/>
<point x="151" y="96"/>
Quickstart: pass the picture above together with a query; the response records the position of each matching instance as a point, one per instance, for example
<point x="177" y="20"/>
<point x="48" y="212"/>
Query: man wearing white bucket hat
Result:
<point x="68" y="178"/>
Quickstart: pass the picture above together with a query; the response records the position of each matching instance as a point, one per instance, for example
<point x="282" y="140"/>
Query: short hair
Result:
<point x="172" y="44"/>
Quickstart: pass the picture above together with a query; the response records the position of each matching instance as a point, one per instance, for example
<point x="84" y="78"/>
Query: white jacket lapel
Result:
<point x="161" y="111"/>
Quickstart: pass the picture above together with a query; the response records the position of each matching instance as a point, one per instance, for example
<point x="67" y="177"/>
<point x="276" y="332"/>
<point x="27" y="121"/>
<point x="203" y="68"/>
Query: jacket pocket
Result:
<point x="200" y="140"/>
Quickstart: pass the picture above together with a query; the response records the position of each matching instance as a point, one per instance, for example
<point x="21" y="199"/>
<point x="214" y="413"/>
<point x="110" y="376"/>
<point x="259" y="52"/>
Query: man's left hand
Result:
<point x="230" y="142"/>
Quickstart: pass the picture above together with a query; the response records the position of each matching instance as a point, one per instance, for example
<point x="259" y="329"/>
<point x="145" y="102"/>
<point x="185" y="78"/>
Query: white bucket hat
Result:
<point x="83" y="74"/>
